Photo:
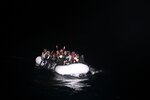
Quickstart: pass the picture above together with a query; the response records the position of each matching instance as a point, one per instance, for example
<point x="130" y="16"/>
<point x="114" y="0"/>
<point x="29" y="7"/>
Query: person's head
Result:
<point x="82" y="56"/>
<point x="57" y="52"/>
<point x="56" y="46"/>
<point x="68" y="53"/>
<point x="65" y="52"/>
<point x="73" y="53"/>
<point x="45" y="50"/>
<point x="61" y="50"/>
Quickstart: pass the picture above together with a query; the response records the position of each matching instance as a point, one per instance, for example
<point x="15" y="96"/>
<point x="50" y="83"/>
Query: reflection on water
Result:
<point x="53" y="80"/>
<point x="76" y="84"/>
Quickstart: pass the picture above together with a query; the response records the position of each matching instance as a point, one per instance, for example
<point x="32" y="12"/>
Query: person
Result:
<point x="81" y="59"/>
<point x="73" y="56"/>
<point x="53" y="60"/>
<point x="44" y="53"/>
<point x="65" y="57"/>
<point x="48" y="56"/>
<point x="68" y="58"/>
<point x="61" y="53"/>
<point x="43" y="56"/>
<point x="55" y="49"/>
<point x="60" y="57"/>
<point x="76" y="58"/>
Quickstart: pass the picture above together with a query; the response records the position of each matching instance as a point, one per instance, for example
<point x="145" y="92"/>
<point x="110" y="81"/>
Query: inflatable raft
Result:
<point x="74" y="69"/>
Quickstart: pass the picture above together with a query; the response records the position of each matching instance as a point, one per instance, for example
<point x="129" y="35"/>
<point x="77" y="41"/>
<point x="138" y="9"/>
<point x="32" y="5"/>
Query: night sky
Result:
<point x="108" y="26"/>
<point x="114" y="33"/>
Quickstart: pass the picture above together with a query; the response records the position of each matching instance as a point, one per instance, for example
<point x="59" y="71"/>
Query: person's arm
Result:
<point x="64" y="48"/>
<point x="70" y="57"/>
<point x="42" y="54"/>
<point x="56" y="47"/>
<point x="52" y="52"/>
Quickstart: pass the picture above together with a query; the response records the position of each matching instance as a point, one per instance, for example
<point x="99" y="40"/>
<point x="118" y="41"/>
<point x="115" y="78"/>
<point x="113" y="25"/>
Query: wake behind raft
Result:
<point x="73" y="69"/>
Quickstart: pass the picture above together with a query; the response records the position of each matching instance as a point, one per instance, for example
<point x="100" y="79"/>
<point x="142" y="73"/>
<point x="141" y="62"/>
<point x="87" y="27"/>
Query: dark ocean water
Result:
<point x="113" y="36"/>
<point x="30" y="82"/>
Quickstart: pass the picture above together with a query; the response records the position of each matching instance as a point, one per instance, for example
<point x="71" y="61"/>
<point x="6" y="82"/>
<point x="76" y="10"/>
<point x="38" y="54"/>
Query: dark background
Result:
<point x="109" y="33"/>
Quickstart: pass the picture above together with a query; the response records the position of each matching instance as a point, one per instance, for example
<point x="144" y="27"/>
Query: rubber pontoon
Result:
<point x="74" y="69"/>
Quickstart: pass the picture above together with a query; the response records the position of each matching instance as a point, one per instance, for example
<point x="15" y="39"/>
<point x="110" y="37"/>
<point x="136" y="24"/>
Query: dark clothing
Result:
<point x="60" y="61"/>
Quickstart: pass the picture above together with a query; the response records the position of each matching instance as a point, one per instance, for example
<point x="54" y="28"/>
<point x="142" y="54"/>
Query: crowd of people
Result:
<point x="61" y="57"/>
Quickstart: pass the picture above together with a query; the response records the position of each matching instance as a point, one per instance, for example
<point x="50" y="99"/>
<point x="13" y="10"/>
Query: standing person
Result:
<point x="44" y="53"/>
<point x="43" y="56"/>
<point x="48" y="56"/>
<point x="47" y="59"/>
